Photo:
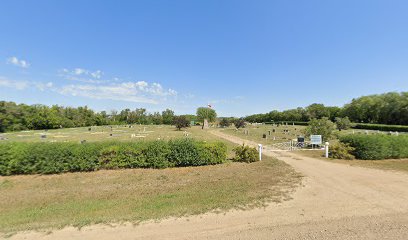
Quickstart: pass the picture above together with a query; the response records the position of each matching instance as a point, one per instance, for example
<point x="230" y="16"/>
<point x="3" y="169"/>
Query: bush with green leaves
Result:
<point x="239" y="123"/>
<point x="374" y="147"/>
<point x="341" y="150"/>
<point x="343" y="123"/>
<point x="322" y="126"/>
<point x="49" y="158"/>
<point x="181" y="122"/>
<point x="246" y="154"/>
<point x="225" y="122"/>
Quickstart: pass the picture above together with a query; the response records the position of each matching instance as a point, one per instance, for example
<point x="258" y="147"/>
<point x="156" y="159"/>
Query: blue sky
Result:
<point x="243" y="57"/>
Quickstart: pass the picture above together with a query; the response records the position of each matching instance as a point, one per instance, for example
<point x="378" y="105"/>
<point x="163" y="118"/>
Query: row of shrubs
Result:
<point x="366" y="126"/>
<point x="381" y="127"/>
<point x="49" y="158"/>
<point x="376" y="147"/>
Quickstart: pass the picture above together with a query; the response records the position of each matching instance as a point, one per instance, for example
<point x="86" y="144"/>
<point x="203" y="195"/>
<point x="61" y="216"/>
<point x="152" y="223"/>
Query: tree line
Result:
<point x="16" y="117"/>
<point x="387" y="108"/>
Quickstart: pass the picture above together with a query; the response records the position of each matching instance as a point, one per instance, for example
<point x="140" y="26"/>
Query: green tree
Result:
<point x="318" y="111"/>
<point x="343" y="123"/>
<point x="168" y="116"/>
<point x="322" y="126"/>
<point x="205" y="113"/>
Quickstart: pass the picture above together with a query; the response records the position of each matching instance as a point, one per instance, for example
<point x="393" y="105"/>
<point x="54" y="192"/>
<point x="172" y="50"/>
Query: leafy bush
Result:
<point x="225" y="122"/>
<point x="181" y="122"/>
<point x="381" y="127"/>
<point x="48" y="158"/>
<point x="343" y="123"/>
<point x="322" y="126"/>
<point x="341" y="151"/>
<point x="377" y="146"/>
<point x="245" y="154"/>
<point x="239" y="123"/>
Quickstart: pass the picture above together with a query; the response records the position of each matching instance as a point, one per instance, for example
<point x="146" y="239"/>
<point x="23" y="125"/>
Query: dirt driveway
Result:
<point x="336" y="202"/>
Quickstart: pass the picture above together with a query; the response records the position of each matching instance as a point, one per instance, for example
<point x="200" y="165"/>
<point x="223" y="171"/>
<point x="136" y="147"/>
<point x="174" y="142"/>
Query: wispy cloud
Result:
<point x="232" y="100"/>
<point x="21" y="85"/>
<point x="82" y="75"/>
<point x="140" y="92"/>
<point x="18" y="62"/>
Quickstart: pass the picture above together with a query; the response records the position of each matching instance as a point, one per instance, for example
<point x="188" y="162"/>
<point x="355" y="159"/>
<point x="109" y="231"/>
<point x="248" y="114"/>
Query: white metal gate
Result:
<point x="286" y="146"/>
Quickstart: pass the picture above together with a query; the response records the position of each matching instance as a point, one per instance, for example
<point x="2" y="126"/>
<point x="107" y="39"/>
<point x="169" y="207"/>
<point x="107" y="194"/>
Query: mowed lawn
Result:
<point x="54" y="201"/>
<point x="386" y="164"/>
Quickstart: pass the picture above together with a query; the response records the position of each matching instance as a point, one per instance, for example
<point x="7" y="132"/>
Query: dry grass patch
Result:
<point x="78" y="199"/>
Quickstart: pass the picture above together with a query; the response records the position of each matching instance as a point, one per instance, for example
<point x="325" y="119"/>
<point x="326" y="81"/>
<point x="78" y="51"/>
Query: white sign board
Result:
<point x="316" y="139"/>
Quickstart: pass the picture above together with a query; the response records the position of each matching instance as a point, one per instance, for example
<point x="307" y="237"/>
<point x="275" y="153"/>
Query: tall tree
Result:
<point x="206" y="114"/>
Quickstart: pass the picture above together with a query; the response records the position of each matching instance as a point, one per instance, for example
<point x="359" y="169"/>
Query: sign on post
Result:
<point x="316" y="139"/>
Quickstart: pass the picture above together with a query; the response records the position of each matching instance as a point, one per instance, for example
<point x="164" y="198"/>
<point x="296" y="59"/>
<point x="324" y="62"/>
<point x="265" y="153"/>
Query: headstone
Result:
<point x="274" y="138"/>
<point x="396" y="133"/>
<point x="273" y="130"/>
<point x="43" y="136"/>
<point x="133" y="135"/>
<point x="366" y="132"/>
<point x="269" y="132"/>
<point x="301" y="141"/>
<point x="110" y="134"/>
<point x="83" y="141"/>
<point x="89" y="129"/>
<point x="205" y="125"/>
<point x="264" y="135"/>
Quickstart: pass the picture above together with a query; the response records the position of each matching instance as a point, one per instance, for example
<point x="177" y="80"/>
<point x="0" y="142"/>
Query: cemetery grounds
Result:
<point x="49" y="202"/>
<point x="268" y="134"/>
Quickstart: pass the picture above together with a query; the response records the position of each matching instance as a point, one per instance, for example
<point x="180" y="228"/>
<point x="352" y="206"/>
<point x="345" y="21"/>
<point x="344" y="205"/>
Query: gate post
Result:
<point x="327" y="149"/>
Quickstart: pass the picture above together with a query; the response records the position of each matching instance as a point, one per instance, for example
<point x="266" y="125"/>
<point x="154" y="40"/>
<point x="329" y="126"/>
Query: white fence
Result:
<point x="286" y="146"/>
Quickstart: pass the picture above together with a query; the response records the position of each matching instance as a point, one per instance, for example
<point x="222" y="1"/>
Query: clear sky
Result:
<point x="243" y="57"/>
